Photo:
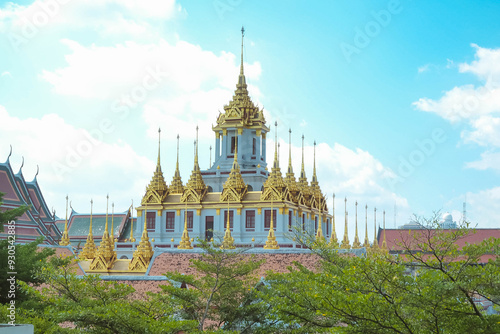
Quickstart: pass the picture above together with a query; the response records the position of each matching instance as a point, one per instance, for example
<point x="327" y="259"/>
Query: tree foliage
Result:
<point x="429" y="288"/>
<point x="222" y="292"/>
<point x="27" y="261"/>
<point x="92" y="305"/>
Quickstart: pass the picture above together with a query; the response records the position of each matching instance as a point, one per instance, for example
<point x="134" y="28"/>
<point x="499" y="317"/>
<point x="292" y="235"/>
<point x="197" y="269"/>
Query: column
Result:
<point x="240" y="145"/>
<point x="264" y="146"/>
<point x="217" y="145"/>
<point x="257" y="144"/>
<point x="224" y="144"/>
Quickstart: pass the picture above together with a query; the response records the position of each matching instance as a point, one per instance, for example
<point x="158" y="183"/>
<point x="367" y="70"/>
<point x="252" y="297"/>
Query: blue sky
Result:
<point x="401" y="96"/>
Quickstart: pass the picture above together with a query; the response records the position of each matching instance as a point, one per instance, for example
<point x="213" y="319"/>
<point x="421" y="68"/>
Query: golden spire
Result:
<point x="289" y="180"/>
<point x="157" y="189"/>
<point x="366" y="243"/>
<point x="234" y="188"/>
<point x="65" y="237"/>
<point x="384" y="243"/>
<point x="88" y="251"/>
<point x="345" y="242"/>
<point x="132" y="239"/>
<point x="317" y="199"/>
<point x="241" y="111"/>
<point x="320" y="238"/>
<point x="228" y="242"/>
<point x="195" y="189"/>
<point x="185" y="243"/>
<point x="303" y="183"/>
<point x="113" y="224"/>
<point x="375" y="242"/>
<point x="271" y="242"/>
<point x="144" y="252"/>
<point x="356" y="243"/>
<point x="106" y="255"/>
<point x="333" y="239"/>
<point x="176" y="186"/>
<point x="275" y="185"/>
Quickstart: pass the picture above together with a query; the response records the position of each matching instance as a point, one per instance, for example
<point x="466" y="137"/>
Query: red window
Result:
<point x="170" y="221"/>
<point x="190" y="220"/>
<point x="150" y="220"/>
<point x="303" y="222"/>
<point x="290" y="220"/>
<point x="254" y="146"/>
<point x="250" y="219"/>
<point x="230" y="219"/>
<point x="328" y="227"/>
<point x="315" y="223"/>
<point x="267" y="219"/>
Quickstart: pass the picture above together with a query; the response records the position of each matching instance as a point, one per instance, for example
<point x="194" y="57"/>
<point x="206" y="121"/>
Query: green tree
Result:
<point x="25" y="260"/>
<point x="93" y="305"/>
<point x="11" y="214"/>
<point x="429" y="288"/>
<point x="221" y="295"/>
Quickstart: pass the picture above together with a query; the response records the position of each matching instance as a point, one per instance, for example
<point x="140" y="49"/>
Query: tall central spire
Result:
<point x="242" y="35"/>
<point x="241" y="87"/>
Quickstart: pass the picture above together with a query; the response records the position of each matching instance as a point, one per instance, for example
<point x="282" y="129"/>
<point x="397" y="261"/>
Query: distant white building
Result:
<point x="447" y="222"/>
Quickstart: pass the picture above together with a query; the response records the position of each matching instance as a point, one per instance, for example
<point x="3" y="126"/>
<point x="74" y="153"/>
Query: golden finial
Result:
<point x="185" y="243"/>
<point x="195" y="188"/>
<point x="106" y="225"/>
<point x="345" y="242"/>
<point x="176" y="186"/>
<point x="157" y="188"/>
<point x="375" y="242"/>
<point x="242" y="35"/>
<point x="172" y="240"/>
<point x="290" y="170"/>
<point x="88" y="251"/>
<point x="132" y="239"/>
<point x="356" y="243"/>
<point x="159" y="134"/>
<point x="275" y="185"/>
<point x="234" y="188"/>
<point x="144" y="252"/>
<point x="228" y="242"/>
<point x="366" y="243"/>
<point x="314" y="177"/>
<point x="319" y="233"/>
<point x="113" y="222"/>
<point x="289" y="180"/>
<point x="384" y="243"/>
<point x="106" y="255"/>
<point x="65" y="237"/>
<point x="333" y="239"/>
<point x="271" y="242"/>
<point x="276" y="160"/>
<point x="303" y="183"/>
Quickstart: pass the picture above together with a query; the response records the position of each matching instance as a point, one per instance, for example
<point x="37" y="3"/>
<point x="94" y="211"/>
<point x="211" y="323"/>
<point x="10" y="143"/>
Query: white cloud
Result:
<point x="483" y="207"/>
<point x="489" y="160"/>
<point x="476" y="107"/>
<point x="71" y="162"/>
<point x="354" y="174"/>
<point x="423" y="68"/>
<point x="111" y="18"/>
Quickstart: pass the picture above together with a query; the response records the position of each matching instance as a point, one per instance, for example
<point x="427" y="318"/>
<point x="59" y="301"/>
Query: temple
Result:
<point x="237" y="188"/>
<point x="38" y="221"/>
